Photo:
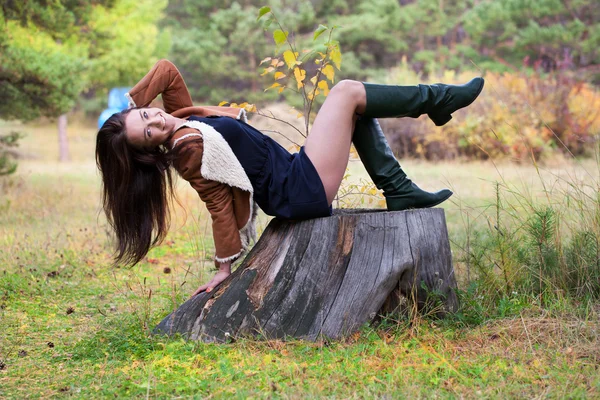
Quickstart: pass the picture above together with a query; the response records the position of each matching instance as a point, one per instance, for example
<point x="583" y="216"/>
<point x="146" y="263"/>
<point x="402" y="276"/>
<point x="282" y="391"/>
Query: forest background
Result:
<point x="524" y="221"/>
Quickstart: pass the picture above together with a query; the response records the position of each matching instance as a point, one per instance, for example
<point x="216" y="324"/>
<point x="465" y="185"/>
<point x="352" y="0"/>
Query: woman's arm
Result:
<point x="219" y="202"/>
<point x="164" y="78"/>
<point x="224" y="272"/>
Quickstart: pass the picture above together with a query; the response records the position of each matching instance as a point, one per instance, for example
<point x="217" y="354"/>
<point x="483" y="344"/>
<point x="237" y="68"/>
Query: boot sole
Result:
<point x="427" y="206"/>
<point x="440" y="120"/>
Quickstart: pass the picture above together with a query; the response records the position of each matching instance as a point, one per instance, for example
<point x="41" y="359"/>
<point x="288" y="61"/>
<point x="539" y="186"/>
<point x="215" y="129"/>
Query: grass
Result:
<point x="72" y="326"/>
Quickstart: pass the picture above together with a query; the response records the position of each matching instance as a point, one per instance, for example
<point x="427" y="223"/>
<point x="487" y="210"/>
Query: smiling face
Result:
<point x="149" y="127"/>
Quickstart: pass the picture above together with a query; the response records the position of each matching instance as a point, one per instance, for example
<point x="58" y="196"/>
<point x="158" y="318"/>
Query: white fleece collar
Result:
<point x="218" y="161"/>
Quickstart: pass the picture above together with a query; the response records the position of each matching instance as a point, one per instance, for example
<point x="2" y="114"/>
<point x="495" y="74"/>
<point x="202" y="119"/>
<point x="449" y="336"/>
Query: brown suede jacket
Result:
<point x="231" y="208"/>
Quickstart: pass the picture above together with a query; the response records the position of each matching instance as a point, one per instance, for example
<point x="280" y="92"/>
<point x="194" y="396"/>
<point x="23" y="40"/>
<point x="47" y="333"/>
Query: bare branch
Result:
<point x="281" y="134"/>
<point x="273" y="117"/>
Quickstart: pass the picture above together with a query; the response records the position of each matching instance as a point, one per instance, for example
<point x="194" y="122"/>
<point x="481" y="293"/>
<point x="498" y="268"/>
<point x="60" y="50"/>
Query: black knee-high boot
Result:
<point x="383" y="168"/>
<point x="438" y="101"/>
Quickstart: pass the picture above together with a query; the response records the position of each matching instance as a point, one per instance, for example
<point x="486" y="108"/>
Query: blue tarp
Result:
<point x="116" y="102"/>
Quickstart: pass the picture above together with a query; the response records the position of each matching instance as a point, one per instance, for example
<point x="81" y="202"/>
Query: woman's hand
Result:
<point x="224" y="272"/>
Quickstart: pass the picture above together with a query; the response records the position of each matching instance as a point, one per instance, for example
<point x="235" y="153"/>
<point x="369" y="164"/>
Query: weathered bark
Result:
<point x="63" y="140"/>
<point x="326" y="277"/>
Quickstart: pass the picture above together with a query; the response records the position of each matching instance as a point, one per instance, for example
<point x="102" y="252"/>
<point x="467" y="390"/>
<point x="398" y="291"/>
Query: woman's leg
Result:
<point x="385" y="171"/>
<point x="328" y="143"/>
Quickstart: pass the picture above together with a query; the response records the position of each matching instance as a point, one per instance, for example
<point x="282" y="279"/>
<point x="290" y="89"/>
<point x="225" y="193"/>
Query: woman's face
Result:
<point x="148" y="127"/>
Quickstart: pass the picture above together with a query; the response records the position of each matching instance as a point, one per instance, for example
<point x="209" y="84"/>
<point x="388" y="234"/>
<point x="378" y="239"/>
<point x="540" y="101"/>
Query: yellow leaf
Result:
<point x="243" y="105"/>
<point x="250" y="108"/>
<point x="280" y="63"/>
<point x="267" y="70"/>
<point x="313" y="80"/>
<point x="336" y="56"/>
<point x="300" y="115"/>
<point x="300" y="75"/>
<point x="324" y="87"/>
<point x="276" y="84"/>
<point x="279" y="75"/>
<point x="280" y="90"/>
<point x="274" y="62"/>
<point x="221" y="104"/>
<point x="290" y="58"/>
<point x="234" y="105"/>
<point x="265" y="60"/>
<point x="329" y="72"/>
<point x="311" y="95"/>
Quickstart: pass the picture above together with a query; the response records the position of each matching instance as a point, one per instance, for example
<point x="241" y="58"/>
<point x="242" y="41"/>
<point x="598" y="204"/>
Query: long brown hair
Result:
<point x="137" y="188"/>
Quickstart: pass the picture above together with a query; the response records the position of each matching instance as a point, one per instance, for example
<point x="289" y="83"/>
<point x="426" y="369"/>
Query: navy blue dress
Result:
<point x="285" y="185"/>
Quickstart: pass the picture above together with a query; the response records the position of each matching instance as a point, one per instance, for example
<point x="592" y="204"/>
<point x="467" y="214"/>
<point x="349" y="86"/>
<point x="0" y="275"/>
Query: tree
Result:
<point x="218" y="45"/>
<point x="7" y="144"/>
<point x="38" y="59"/>
<point x="127" y="42"/>
<point x="552" y="33"/>
<point x="50" y="54"/>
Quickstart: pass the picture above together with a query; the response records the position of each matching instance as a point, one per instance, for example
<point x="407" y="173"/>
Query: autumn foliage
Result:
<point x="519" y="115"/>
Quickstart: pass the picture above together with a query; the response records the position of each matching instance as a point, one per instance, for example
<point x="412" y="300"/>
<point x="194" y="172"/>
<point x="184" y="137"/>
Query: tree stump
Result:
<point x="326" y="277"/>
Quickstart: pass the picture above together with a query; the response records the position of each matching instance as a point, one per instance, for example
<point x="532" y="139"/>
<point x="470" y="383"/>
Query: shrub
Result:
<point x="518" y="115"/>
<point x="8" y="164"/>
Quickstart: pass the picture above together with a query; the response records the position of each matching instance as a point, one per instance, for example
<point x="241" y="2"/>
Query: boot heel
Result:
<point x="440" y="120"/>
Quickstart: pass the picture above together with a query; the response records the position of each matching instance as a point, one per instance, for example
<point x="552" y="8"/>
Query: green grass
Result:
<point x="73" y="326"/>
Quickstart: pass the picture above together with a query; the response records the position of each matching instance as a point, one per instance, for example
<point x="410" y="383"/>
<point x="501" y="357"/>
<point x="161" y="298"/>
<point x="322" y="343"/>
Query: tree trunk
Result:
<point x="326" y="277"/>
<point x="63" y="140"/>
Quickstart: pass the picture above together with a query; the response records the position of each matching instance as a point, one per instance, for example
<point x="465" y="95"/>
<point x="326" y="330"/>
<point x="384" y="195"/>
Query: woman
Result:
<point x="234" y="167"/>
